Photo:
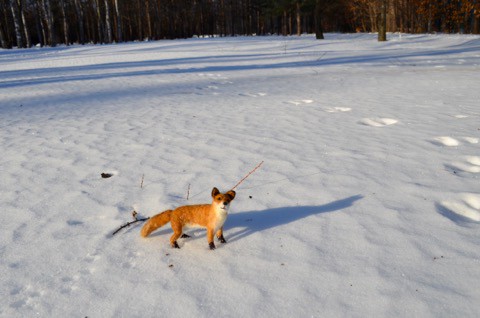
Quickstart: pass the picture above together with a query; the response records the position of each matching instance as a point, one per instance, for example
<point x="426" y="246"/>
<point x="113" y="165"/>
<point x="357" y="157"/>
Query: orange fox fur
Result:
<point x="210" y="216"/>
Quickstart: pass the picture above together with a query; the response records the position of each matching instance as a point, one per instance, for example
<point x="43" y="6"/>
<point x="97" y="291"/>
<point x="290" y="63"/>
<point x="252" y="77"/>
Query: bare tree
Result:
<point x="319" y="8"/>
<point x="100" y="28"/>
<point x="40" y="25"/>
<point x="47" y="13"/>
<point x="26" y="32"/>
<point x="81" y="27"/>
<point x="3" y="39"/>
<point x="298" y="15"/>
<point x="108" y="23"/>
<point x="65" y="22"/>
<point x="149" y="19"/>
<point x="17" y="22"/>
<point x="118" y="21"/>
<point x="382" y="21"/>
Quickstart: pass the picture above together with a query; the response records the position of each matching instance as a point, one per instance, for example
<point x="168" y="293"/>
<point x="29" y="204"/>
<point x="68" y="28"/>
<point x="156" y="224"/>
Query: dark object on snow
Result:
<point x="106" y="175"/>
<point x="128" y="224"/>
<point x="134" y="215"/>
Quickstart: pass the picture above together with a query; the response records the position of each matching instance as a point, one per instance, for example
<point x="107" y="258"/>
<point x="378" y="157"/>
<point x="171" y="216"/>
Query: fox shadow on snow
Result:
<point x="243" y="224"/>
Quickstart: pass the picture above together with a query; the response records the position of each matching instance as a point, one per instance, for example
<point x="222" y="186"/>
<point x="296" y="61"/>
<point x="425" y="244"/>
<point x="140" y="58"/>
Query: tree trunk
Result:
<point x="157" y="23"/>
<point x="149" y="20"/>
<point x="26" y="32"/>
<point x="3" y="39"/>
<point x="290" y="25"/>
<point x="139" y="20"/>
<point x="318" y="21"/>
<point x="223" y="20"/>
<point x="299" y="19"/>
<point x="81" y="27"/>
<point x="476" y="25"/>
<point x="42" y="34"/>
<point x="16" y="21"/>
<point x="65" y="23"/>
<point x="476" y="22"/>
<point x="107" y="23"/>
<point x="382" y="21"/>
<point x="119" y="22"/>
<point x="47" y="12"/>
<point x="100" y="28"/>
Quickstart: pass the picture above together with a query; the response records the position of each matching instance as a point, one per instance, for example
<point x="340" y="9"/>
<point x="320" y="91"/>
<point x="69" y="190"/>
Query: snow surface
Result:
<point x="367" y="204"/>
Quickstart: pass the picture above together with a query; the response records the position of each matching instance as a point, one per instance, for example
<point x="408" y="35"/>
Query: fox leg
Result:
<point x="220" y="235"/>
<point x="210" y="238"/>
<point x="177" y="232"/>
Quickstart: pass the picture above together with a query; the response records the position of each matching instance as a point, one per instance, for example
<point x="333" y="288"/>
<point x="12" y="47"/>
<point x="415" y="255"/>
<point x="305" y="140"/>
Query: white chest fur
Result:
<point x="221" y="217"/>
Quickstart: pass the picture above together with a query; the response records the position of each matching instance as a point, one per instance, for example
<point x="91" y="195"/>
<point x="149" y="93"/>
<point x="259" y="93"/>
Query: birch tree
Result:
<point x="118" y="21"/>
<point x="47" y="12"/>
<point x="16" y="22"/>
<point x="26" y="30"/>
<point x="108" y="24"/>
<point x="65" y="23"/>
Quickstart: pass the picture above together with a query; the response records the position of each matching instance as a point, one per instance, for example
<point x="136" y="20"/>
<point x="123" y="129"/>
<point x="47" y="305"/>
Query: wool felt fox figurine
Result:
<point x="210" y="216"/>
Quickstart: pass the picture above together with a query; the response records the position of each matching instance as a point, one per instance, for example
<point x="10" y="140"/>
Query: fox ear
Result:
<point x="215" y="192"/>
<point x="231" y="193"/>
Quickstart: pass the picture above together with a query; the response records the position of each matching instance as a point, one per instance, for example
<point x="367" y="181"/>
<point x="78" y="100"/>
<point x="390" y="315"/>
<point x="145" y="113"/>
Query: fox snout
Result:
<point x="224" y="205"/>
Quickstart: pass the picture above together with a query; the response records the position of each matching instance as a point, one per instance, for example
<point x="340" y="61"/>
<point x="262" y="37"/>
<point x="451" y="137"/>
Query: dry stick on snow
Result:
<point x="188" y="191"/>
<point x="141" y="184"/>
<point x="134" y="214"/>
<point x="258" y="166"/>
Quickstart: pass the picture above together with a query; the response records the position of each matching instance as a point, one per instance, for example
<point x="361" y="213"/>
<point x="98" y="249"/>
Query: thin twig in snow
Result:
<point x="134" y="214"/>
<point x="258" y="166"/>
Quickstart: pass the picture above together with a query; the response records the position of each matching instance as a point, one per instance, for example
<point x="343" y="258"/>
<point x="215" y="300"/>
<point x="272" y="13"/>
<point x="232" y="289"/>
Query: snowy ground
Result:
<point x="367" y="204"/>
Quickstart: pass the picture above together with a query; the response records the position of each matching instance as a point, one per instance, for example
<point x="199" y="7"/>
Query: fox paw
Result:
<point x="185" y="236"/>
<point x="222" y="239"/>
<point x="211" y="245"/>
<point x="175" y="245"/>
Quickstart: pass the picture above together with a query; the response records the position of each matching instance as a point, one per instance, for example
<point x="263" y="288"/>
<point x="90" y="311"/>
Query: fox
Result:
<point x="210" y="216"/>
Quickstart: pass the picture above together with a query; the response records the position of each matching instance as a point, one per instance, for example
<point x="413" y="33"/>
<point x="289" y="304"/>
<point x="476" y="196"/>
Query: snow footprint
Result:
<point x="445" y="141"/>
<point x="300" y="102"/>
<point x="337" y="109"/>
<point x="253" y="94"/>
<point x="209" y="75"/>
<point x="466" y="208"/>
<point x="378" y="122"/>
<point x="452" y="142"/>
<point x="471" y="164"/>
<point x="25" y="296"/>
<point x="471" y="140"/>
<point x="215" y="81"/>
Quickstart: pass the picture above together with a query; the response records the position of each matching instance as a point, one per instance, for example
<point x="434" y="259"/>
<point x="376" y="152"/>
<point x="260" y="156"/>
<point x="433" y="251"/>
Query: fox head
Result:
<point x="222" y="200"/>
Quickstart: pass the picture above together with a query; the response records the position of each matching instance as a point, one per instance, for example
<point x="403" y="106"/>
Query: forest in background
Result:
<point x="25" y="23"/>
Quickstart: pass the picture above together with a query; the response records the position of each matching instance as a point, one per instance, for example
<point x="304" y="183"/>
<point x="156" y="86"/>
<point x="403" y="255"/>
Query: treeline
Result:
<point x="24" y="23"/>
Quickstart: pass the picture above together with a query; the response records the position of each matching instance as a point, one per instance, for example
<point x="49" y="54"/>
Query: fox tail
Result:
<point x="155" y="222"/>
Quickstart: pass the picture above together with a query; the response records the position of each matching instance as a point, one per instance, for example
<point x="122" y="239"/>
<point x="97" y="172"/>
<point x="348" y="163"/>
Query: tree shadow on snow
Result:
<point x="242" y="224"/>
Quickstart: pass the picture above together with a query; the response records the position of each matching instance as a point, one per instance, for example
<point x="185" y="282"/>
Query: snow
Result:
<point x="367" y="204"/>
